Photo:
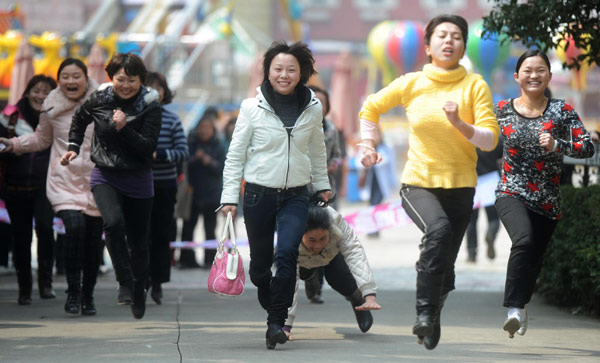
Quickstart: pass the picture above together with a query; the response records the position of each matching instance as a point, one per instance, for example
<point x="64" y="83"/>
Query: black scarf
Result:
<point x="31" y="115"/>
<point x="287" y="107"/>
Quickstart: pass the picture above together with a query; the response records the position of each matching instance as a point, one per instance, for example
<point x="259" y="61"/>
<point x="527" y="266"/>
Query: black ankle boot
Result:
<point x="429" y="286"/>
<point x="24" y="298"/>
<point x="363" y="318"/>
<point x="125" y="294"/>
<point x="72" y="303"/>
<point x="46" y="292"/>
<point x="423" y="326"/>
<point x="87" y="306"/>
<point x="275" y="335"/>
<point x="432" y="341"/>
<point x="138" y="308"/>
<point x="156" y="293"/>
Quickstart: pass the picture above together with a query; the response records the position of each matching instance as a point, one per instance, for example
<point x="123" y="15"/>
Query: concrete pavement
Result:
<point x="194" y="326"/>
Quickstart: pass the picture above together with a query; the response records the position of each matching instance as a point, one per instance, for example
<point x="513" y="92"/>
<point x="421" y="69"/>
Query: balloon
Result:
<point x="406" y="46"/>
<point x="487" y="53"/>
<point x="579" y="80"/>
<point x="377" y="45"/>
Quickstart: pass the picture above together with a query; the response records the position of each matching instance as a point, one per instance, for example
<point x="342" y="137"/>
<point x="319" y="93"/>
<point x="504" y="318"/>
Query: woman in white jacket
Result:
<point x="278" y="148"/>
<point x="68" y="187"/>
<point x="330" y="242"/>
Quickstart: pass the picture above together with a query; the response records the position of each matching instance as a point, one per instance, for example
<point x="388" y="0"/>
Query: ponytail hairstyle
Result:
<point x="318" y="218"/>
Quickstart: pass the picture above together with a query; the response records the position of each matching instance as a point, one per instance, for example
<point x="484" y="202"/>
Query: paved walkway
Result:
<point x="194" y="326"/>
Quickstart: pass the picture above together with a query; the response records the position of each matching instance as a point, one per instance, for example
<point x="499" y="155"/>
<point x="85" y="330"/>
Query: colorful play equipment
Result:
<point x="566" y="54"/>
<point x="487" y="53"/>
<point x="50" y="45"/>
<point x="9" y="42"/>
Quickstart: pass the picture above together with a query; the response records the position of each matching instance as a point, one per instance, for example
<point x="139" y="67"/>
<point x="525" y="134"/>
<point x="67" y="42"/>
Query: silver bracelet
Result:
<point x="369" y="147"/>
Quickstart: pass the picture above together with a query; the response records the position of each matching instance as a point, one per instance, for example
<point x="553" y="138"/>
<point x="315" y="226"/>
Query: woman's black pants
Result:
<point x="126" y="225"/>
<point x="530" y="233"/>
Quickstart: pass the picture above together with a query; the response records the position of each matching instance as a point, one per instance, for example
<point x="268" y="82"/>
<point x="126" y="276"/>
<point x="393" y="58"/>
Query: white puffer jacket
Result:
<point x="342" y="239"/>
<point x="262" y="153"/>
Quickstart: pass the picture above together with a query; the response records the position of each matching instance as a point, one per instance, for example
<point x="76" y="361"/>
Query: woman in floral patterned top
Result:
<point x="536" y="132"/>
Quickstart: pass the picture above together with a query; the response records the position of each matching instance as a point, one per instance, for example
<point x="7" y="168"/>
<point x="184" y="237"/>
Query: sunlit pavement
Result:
<point x="193" y="326"/>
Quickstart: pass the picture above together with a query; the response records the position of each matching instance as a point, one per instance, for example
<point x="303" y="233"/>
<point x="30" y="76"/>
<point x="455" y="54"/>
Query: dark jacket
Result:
<point x="29" y="169"/>
<point x="130" y="148"/>
<point x="207" y="180"/>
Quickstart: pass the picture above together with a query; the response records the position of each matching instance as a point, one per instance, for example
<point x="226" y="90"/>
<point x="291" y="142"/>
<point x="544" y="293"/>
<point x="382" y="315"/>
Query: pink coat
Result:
<point x="67" y="187"/>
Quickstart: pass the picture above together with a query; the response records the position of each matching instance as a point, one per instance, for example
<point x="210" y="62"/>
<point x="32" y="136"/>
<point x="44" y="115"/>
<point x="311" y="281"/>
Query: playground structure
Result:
<point x="198" y="44"/>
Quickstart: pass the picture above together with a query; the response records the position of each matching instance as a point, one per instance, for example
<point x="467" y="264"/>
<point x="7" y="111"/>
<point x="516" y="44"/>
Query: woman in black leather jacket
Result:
<point x="127" y="118"/>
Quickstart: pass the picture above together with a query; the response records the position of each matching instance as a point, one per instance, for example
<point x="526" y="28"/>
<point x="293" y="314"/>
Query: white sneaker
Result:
<point x="512" y="324"/>
<point x="523" y="326"/>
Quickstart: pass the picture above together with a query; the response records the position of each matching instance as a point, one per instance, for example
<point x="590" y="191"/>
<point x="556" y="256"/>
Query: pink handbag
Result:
<point x="226" y="277"/>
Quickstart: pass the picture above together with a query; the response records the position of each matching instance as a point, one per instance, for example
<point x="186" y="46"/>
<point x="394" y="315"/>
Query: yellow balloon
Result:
<point x="376" y="44"/>
<point x="579" y="77"/>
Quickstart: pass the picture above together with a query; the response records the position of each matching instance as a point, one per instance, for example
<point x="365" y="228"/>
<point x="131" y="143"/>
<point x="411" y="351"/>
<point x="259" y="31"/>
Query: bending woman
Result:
<point x="536" y="132"/>
<point x="278" y="148"/>
<point x="450" y="113"/>
<point x="331" y="243"/>
<point x="126" y="117"/>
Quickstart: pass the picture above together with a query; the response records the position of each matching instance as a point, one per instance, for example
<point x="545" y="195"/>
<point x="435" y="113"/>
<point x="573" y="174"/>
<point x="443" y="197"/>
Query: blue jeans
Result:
<point x="267" y="210"/>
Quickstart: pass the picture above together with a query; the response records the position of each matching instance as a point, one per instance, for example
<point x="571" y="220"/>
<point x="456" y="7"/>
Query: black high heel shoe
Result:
<point x="275" y="335"/>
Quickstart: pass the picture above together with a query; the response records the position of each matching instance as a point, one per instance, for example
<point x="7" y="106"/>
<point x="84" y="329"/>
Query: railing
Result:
<point x="587" y="169"/>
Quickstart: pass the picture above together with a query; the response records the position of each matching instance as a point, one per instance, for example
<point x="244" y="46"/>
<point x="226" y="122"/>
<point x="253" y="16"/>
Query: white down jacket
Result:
<point x="342" y="239"/>
<point x="263" y="153"/>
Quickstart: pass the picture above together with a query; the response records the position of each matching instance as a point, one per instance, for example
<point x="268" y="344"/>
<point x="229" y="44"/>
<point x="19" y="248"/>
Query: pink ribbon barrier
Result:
<point x="367" y="220"/>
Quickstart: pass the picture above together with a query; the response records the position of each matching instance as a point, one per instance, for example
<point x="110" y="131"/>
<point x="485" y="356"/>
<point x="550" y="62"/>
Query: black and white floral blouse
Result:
<point x="529" y="172"/>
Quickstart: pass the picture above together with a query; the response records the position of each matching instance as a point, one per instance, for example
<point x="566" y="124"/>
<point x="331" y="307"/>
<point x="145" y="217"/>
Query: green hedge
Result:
<point x="570" y="274"/>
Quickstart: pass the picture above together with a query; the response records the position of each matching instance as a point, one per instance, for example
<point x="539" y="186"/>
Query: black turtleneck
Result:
<point x="287" y="107"/>
<point x="124" y="104"/>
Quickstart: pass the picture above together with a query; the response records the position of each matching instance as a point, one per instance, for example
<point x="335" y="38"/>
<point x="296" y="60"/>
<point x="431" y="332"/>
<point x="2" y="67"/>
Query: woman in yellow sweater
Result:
<point x="450" y="113"/>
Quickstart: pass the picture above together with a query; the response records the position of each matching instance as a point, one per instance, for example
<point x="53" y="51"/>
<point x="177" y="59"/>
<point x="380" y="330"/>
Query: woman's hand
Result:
<point x="119" y="118"/>
<point x="326" y="195"/>
<point x="288" y="332"/>
<point x="68" y="157"/>
<point x="370" y="304"/>
<point x="6" y="145"/>
<point x="451" y="110"/>
<point x="370" y="158"/>
<point x="546" y="140"/>
<point x="229" y="208"/>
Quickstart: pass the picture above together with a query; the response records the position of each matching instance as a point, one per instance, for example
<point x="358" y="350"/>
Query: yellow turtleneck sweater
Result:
<point x="439" y="156"/>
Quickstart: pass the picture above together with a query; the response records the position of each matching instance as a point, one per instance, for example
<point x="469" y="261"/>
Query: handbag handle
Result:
<point x="228" y="227"/>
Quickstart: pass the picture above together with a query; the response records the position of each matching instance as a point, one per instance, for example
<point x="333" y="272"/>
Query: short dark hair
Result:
<point x="131" y="63"/>
<point x="532" y="53"/>
<point x="457" y="20"/>
<point x="299" y="50"/>
<point x="74" y="61"/>
<point x="325" y="94"/>
<point x="155" y="77"/>
<point x="210" y="113"/>
<point x="39" y="78"/>
<point x="318" y="218"/>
